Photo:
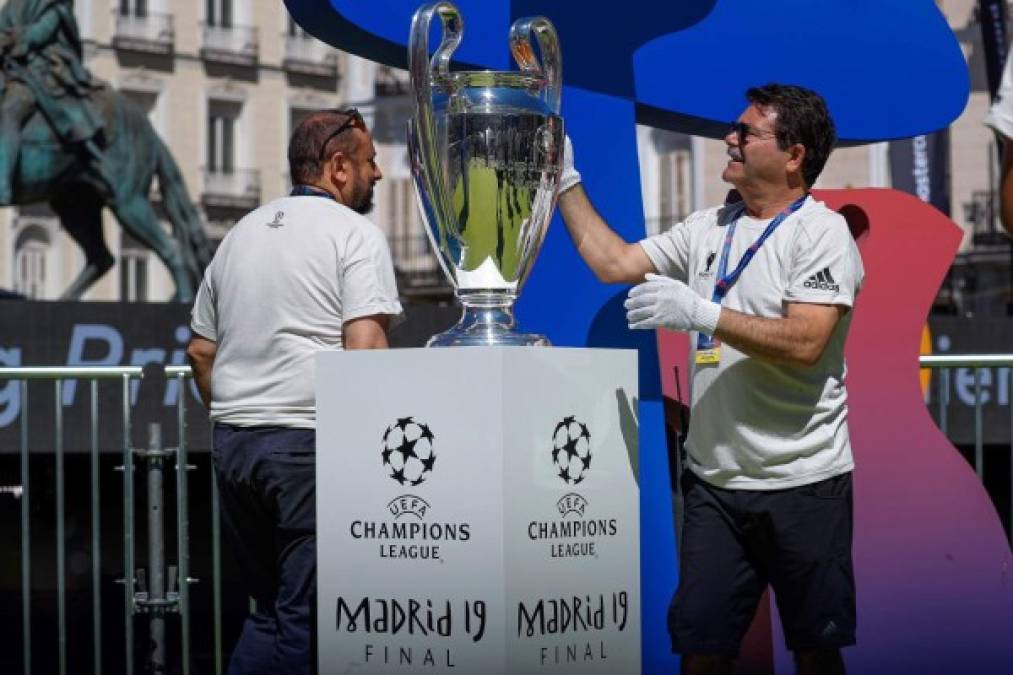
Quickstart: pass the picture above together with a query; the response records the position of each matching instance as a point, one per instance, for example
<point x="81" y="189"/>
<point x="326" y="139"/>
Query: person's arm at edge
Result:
<point x="1006" y="187"/>
<point x="201" y="354"/>
<point x="798" y="339"/>
<point x="612" y="259"/>
<point x="366" y="332"/>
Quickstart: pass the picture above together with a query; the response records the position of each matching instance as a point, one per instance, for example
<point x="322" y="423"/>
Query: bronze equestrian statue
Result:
<point x="69" y="140"/>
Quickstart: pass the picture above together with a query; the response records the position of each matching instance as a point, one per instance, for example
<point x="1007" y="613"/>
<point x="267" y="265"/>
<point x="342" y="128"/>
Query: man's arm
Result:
<point x="367" y="332"/>
<point x="1006" y="187"/>
<point x="201" y="354"/>
<point x="797" y="339"/>
<point x="612" y="259"/>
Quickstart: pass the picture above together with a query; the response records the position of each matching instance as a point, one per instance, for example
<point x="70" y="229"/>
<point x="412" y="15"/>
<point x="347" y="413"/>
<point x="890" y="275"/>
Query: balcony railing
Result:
<point x="236" y="45"/>
<point x="151" y="33"/>
<point x="307" y="56"/>
<point x="238" y="188"/>
<point x="417" y="269"/>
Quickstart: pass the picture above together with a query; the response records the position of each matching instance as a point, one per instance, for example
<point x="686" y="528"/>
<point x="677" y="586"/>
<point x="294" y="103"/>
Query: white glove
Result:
<point x="661" y="302"/>
<point x="570" y="176"/>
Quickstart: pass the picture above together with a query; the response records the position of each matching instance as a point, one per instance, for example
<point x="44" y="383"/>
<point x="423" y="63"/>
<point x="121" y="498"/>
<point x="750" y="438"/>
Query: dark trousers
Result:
<point x="267" y="483"/>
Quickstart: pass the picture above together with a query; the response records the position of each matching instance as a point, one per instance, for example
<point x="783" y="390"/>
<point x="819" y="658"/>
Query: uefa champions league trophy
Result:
<point x="486" y="153"/>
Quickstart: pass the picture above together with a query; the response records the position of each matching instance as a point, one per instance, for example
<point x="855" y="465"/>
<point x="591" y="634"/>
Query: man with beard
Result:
<point x="298" y="275"/>
<point x="764" y="288"/>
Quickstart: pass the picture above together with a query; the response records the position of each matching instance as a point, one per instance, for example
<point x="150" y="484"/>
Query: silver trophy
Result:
<point x="486" y="153"/>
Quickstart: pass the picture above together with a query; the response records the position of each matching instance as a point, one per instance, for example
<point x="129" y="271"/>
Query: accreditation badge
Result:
<point x="708" y="355"/>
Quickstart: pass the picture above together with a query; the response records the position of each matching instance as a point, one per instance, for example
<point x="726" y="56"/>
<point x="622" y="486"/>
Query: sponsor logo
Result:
<point x="706" y="272"/>
<point x="822" y="281"/>
<point x="575" y="533"/>
<point x="276" y="223"/>
<point x="408" y="455"/>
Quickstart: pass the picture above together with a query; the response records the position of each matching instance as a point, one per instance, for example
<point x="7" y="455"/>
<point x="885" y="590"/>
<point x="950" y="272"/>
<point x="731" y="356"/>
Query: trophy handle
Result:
<point x="423" y="73"/>
<point x="551" y="68"/>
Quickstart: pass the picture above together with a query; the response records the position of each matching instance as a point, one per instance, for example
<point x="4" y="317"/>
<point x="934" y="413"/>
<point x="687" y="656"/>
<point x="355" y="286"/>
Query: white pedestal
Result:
<point x="478" y="511"/>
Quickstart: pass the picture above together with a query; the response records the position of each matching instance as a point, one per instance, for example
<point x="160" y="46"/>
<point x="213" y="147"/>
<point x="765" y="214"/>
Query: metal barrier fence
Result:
<point x="159" y="600"/>
<point x="980" y="363"/>
<point x="152" y="593"/>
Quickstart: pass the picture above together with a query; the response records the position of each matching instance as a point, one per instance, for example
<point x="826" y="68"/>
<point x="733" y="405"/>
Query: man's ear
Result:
<point x="337" y="167"/>
<point x="796" y="157"/>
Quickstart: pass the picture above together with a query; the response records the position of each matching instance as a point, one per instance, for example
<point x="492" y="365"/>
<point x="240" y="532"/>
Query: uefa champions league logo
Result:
<point x="407" y="451"/>
<point x="571" y="450"/>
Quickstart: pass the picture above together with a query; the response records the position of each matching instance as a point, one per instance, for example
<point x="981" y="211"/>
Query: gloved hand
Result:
<point x="570" y="176"/>
<point x="661" y="302"/>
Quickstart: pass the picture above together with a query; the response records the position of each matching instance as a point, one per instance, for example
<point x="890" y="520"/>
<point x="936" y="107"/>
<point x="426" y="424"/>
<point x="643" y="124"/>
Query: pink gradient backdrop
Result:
<point x="932" y="562"/>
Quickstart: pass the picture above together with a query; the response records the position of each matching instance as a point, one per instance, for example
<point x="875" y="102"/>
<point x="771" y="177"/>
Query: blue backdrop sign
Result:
<point x="887" y="70"/>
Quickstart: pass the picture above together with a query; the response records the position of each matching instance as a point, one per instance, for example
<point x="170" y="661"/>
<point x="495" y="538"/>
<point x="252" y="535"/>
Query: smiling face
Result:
<point x="754" y="158"/>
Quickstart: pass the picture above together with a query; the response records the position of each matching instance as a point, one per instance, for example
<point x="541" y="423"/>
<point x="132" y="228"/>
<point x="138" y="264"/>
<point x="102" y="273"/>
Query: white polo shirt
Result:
<point x="1000" y="114"/>
<point x="281" y="285"/>
<point x="756" y="424"/>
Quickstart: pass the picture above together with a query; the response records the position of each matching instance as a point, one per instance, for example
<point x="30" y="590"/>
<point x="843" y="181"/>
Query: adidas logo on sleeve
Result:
<point x="822" y="281"/>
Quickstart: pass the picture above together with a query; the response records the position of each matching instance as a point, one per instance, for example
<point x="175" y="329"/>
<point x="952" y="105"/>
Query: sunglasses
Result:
<point x="743" y="130"/>
<point x="354" y="120"/>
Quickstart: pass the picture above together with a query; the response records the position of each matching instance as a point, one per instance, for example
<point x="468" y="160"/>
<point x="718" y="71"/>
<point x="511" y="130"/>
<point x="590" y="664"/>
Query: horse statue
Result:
<point x="69" y="140"/>
<point x="76" y="186"/>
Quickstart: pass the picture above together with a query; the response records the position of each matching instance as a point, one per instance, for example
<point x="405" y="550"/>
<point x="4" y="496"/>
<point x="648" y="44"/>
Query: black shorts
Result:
<point x="736" y="542"/>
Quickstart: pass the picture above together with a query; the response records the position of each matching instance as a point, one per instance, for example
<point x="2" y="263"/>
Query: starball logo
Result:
<point x="408" y="455"/>
<point x="574" y="534"/>
<point x="571" y="450"/>
<point x="408" y="452"/>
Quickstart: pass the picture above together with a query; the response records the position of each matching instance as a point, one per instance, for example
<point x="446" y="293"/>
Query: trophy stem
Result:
<point x="488" y="319"/>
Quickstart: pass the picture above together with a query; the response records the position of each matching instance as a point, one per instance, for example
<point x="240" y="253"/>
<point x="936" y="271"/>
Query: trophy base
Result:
<point x="487" y="321"/>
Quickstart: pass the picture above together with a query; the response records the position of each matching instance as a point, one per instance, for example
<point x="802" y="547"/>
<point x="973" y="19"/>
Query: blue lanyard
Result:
<point x="725" y="281"/>
<point x="310" y="191"/>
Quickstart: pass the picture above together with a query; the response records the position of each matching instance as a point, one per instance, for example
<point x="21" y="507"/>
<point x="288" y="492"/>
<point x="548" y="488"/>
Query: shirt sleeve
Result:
<point x="1000" y="115"/>
<point x="825" y="267"/>
<point x="669" y="251"/>
<point x="367" y="278"/>
<point x="204" y="316"/>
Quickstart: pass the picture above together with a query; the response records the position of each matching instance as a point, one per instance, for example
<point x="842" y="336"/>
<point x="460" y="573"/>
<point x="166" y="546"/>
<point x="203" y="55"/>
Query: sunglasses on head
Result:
<point x="354" y="119"/>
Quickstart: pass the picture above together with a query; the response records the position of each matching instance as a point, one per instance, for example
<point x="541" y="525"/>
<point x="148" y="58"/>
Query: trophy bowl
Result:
<point x="485" y="150"/>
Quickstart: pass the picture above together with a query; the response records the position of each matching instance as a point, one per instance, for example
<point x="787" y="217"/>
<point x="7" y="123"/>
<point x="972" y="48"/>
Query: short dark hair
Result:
<point x="802" y="117"/>
<point x="306" y="154"/>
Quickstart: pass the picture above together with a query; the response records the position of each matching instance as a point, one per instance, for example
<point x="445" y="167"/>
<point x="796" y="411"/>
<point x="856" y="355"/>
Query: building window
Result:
<point x="30" y="261"/>
<point x="133" y="270"/>
<point x="675" y="186"/>
<point x="219" y="13"/>
<point x="402" y="214"/>
<point x="221" y="146"/>
<point x="138" y="8"/>
<point x="408" y="241"/>
<point x="294" y="30"/>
